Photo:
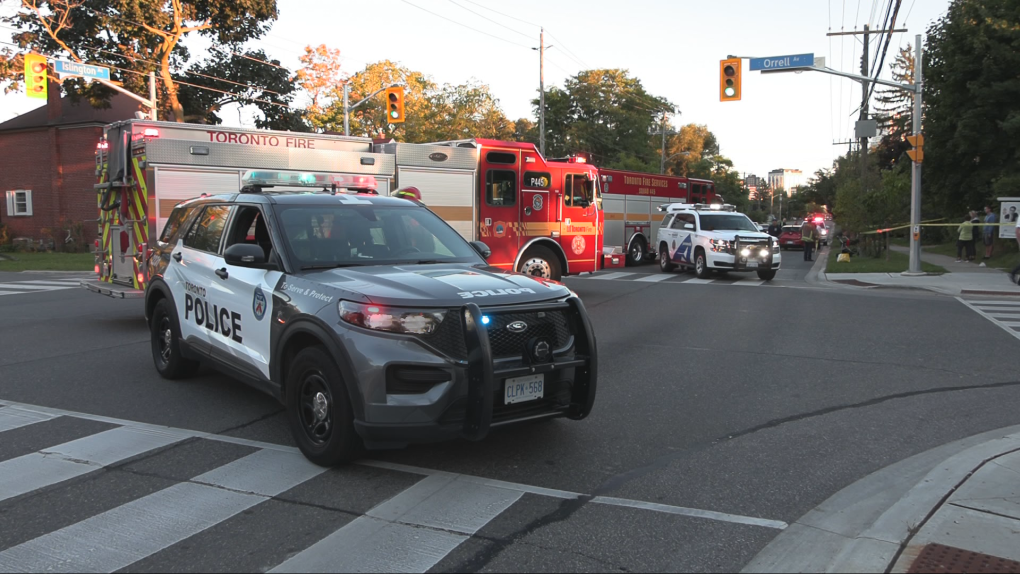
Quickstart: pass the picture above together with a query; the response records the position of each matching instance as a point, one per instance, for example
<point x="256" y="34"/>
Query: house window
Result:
<point x="19" y="202"/>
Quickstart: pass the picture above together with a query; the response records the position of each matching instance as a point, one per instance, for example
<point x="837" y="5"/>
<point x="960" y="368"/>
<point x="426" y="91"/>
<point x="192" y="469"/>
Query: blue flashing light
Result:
<point x="485" y="319"/>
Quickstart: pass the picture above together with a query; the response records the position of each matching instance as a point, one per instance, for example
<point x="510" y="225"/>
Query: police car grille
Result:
<point x="553" y="326"/>
<point x="449" y="337"/>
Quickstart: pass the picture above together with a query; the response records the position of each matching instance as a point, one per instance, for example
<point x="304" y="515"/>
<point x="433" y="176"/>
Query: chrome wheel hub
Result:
<point x="537" y="268"/>
<point x="320" y="407"/>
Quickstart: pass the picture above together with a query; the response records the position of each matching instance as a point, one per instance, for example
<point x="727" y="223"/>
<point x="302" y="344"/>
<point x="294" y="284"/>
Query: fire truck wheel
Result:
<point x="767" y="275"/>
<point x="319" y="409"/>
<point x="701" y="270"/>
<point x="166" y="343"/>
<point x="541" y="262"/>
<point x="637" y="252"/>
<point x="665" y="265"/>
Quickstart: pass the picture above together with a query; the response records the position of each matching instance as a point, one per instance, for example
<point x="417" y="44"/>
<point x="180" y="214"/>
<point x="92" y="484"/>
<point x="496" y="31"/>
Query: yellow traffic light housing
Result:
<point x="35" y="76"/>
<point x="917" y="142"/>
<point x="729" y="80"/>
<point x="395" y="105"/>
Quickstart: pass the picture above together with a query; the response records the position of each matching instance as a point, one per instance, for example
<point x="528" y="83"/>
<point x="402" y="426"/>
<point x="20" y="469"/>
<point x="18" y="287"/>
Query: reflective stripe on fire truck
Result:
<point x="139" y="222"/>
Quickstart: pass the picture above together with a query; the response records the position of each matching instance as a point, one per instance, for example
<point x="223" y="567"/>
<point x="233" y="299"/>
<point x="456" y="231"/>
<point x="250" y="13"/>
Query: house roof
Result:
<point x="121" y="108"/>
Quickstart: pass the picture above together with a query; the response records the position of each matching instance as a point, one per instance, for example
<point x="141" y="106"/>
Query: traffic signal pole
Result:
<point x="914" y="268"/>
<point x="348" y="108"/>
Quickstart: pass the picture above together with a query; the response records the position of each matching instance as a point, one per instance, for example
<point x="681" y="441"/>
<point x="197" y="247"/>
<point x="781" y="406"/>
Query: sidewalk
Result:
<point x="961" y="279"/>
<point x="953" y="509"/>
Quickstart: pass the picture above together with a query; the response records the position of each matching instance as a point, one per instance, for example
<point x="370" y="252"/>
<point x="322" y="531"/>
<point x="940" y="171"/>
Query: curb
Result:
<point x="865" y="526"/>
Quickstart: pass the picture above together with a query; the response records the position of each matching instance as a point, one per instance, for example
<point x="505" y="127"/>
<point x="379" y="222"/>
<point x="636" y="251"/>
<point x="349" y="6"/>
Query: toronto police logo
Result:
<point x="684" y="253"/>
<point x="258" y="305"/>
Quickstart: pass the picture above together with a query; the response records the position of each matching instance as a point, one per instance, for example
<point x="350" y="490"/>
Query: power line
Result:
<point x="465" y="25"/>
<point x="570" y="54"/>
<point x="500" y="24"/>
<point x="502" y="14"/>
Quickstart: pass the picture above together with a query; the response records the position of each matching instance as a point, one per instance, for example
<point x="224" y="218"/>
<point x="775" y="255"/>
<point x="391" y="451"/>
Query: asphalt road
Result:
<point x="732" y="407"/>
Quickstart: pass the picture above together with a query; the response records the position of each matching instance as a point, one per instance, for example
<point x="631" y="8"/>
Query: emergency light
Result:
<point x="151" y="132"/>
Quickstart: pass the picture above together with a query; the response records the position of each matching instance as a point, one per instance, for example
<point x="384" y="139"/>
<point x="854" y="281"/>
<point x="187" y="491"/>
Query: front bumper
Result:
<point x="737" y="262"/>
<point x="471" y="403"/>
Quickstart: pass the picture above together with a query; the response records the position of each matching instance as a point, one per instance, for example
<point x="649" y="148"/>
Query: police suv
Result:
<point x="372" y="320"/>
<point x="715" y="238"/>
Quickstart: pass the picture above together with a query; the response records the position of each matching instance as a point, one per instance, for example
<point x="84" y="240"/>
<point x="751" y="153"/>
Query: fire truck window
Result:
<point x="500" y="188"/>
<point x="578" y="191"/>
<point x="177" y="217"/>
<point x="501" y="157"/>
<point x="207" y="230"/>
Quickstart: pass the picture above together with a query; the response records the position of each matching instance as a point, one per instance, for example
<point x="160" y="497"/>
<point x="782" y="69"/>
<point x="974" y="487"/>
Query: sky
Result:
<point x="786" y="120"/>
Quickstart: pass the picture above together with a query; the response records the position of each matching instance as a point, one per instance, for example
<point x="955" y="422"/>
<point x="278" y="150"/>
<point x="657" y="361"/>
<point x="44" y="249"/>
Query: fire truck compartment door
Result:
<point x="449" y="194"/>
<point x="174" y="185"/>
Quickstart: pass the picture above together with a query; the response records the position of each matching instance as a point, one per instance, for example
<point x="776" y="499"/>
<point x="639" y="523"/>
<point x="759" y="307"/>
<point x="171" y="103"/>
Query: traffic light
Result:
<point x="729" y="80"/>
<point x="395" y="105"/>
<point x="35" y="76"/>
<point x="916" y="154"/>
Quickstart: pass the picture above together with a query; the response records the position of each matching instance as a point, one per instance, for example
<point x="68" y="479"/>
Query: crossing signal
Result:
<point x="395" y="105"/>
<point x="729" y="80"/>
<point x="35" y="75"/>
<point x="917" y="142"/>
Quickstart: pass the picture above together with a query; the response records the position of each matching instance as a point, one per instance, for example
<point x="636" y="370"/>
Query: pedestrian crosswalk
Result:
<point x="738" y="279"/>
<point x="38" y="286"/>
<point x="136" y="496"/>
<point x="1004" y="313"/>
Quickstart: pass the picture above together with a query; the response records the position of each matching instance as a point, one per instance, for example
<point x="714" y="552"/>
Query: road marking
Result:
<point x="69" y="460"/>
<point x="29" y="288"/>
<point x="987" y="309"/>
<point x="692" y="512"/>
<point x="124" y="535"/>
<point x="250" y="484"/>
<point x="655" y="278"/>
<point x="51" y="283"/>
<point x="751" y="283"/>
<point x="12" y="418"/>
<point x="697" y="281"/>
<point x="608" y="276"/>
<point x="411" y="532"/>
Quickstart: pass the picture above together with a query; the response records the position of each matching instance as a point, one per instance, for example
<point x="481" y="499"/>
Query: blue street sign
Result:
<point x="66" y="68"/>
<point x="782" y="62"/>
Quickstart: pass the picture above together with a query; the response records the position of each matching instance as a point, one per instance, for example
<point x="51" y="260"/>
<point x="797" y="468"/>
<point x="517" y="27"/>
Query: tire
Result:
<point x="165" y="339"/>
<point x="665" y="265"/>
<point x="701" y="270"/>
<point x="767" y="275"/>
<point x="540" y="261"/>
<point x="637" y="252"/>
<point x="319" y="409"/>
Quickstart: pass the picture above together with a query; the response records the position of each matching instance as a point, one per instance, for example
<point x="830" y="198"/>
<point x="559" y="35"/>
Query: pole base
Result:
<point x="913" y="274"/>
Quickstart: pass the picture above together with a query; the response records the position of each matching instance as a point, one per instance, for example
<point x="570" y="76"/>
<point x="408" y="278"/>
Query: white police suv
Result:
<point x="715" y="238"/>
<point x="369" y="317"/>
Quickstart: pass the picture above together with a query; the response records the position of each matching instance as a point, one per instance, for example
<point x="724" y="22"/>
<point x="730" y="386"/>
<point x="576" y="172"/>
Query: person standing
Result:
<point x="976" y="222"/>
<point x="808" y="234"/>
<point x="965" y="240"/>
<point x="989" y="232"/>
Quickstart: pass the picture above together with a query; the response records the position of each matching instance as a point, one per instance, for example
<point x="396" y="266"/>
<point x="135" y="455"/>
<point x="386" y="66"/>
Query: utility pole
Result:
<point x="152" y="95"/>
<point x="541" y="89"/>
<point x="864" y="104"/>
<point x="347" y="113"/>
<point x="914" y="268"/>
<point x="662" y="158"/>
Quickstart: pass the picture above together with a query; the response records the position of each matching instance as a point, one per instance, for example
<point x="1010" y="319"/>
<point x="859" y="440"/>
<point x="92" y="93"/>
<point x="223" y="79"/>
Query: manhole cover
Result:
<point x="939" y="558"/>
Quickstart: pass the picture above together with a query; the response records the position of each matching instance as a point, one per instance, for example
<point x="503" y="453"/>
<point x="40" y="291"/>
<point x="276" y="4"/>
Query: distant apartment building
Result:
<point x="753" y="182"/>
<point x="786" y="179"/>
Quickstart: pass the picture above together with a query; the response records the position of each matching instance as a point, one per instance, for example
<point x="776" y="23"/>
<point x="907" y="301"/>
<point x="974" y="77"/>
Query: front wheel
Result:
<point x="319" y="409"/>
<point x="541" y="262"/>
<point x="665" y="265"/>
<point x="637" y="252"/>
<point x="165" y="337"/>
<point x="767" y="275"/>
<point x="701" y="270"/>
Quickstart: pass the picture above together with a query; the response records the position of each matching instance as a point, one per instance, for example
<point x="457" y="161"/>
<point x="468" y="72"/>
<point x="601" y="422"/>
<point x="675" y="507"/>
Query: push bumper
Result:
<point x="574" y="376"/>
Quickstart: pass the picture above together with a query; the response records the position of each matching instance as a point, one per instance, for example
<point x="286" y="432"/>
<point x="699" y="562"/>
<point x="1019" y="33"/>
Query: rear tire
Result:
<point x="665" y="264"/>
<point x="165" y="337"/>
<point x="637" y="252"/>
<point x="767" y="275"/>
<point x="540" y="261"/>
<point x="319" y="409"/>
<point x="701" y="270"/>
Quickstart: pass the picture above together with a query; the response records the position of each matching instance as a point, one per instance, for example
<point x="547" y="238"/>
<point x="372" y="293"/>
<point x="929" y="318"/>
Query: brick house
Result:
<point x="47" y="164"/>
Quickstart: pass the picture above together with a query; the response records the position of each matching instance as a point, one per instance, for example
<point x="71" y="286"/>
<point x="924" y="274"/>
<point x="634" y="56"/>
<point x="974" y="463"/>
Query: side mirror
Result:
<point x="482" y="249"/>
<point x="245" y="255"/>
<point x="689" y="226"/>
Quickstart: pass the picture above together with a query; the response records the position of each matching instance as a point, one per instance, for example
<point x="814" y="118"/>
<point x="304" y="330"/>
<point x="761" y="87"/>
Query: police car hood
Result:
<point x="730" y="235"/>
<point x="449" y="285"/>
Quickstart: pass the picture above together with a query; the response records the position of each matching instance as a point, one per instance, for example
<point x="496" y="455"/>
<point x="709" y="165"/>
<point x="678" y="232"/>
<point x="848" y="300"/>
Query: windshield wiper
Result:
<point x="331" y="266"/>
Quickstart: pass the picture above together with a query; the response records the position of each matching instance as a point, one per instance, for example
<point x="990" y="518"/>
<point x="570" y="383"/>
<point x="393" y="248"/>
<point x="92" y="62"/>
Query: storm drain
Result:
<point x="939" y="558"/>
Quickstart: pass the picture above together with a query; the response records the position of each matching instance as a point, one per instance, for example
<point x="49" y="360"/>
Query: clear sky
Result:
<point x="783" y="121"/>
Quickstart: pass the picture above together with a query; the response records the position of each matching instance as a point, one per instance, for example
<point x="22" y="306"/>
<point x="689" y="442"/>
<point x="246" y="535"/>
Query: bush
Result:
<point x="68" y="236"/>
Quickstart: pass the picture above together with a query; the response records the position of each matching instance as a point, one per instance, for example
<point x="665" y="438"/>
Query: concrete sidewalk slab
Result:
<point x="956" y="284"/>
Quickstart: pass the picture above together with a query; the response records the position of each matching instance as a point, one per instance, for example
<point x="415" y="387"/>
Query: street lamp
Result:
<point x="665" y="160"/>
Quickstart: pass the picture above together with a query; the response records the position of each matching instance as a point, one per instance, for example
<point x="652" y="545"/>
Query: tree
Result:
<point x="322" y="79"/>
<point x="697" y="141"/>
<point x="139" y="37"/>
<point x="469" y="111"/>
<point x="972" y="104"/>
<point x="896" y="112"/>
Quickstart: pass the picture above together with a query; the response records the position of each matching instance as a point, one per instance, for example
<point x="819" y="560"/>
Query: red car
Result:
<point x="790" y="238"/>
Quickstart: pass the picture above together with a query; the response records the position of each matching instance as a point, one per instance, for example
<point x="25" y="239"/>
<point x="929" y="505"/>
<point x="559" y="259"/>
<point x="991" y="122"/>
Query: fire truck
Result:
<point x="631" y="201"/>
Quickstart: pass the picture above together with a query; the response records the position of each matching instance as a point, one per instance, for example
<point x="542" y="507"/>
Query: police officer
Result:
<point x="809" y="234"/>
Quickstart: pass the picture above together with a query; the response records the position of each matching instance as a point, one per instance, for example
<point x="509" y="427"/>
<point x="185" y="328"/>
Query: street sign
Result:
<point x="916" y="141"/>
<point x="916" y="155"/>
<point x="65" y="68"/>
<point x="782" y="62"/>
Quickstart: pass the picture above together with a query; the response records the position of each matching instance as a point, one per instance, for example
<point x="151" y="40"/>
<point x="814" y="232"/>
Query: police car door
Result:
<point x="191" y="276"/>
<point x="244" y="297"/>
<point x="682" y="243"/>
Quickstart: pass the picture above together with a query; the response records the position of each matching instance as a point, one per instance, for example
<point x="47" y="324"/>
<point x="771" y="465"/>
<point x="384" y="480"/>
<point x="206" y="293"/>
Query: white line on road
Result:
<point x="989" y="317"/>
<point x="22" y="287"/>
<point x="51" y="283"/>
<point x="692" y="512"/>
<point x="996" y="303"/>
<point x="749" y="283"/>
<point x="655" y="278"/>
<point x="12" y="418"/>
<point x="124" y="535"/>
<point x="608" y="276"/>
<point x="697" y="281"/>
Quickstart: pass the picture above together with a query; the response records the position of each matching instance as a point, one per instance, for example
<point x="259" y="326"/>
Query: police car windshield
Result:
<point x="726" y="222"/>
<point x="325" y="236"/>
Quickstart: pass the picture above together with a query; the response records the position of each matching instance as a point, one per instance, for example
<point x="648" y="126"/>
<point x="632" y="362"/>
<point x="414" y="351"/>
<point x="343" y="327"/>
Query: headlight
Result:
<point x="745" y="252"/>
<point x="721" y="245"/>
<point x="391" y="319"/>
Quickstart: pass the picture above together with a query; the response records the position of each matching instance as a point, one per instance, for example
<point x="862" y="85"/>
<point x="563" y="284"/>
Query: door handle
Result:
<point x="178" y="257"/>
<point x="222" y="273"/>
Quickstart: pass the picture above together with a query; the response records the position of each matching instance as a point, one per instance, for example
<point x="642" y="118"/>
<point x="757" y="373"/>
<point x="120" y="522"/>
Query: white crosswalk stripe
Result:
<point x="23" y="287"/>
<point x="411" y="530"/>
<point x="671" y="278"/>
<point x="1004" y="313"/>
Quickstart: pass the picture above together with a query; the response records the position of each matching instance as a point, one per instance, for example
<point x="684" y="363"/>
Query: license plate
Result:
<point x="789" y="242"/>
<point x="752" y="264"/>
<point x="523" y="389"/>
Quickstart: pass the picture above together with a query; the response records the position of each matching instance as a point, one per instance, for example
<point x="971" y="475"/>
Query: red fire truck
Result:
<point x="631" y="201"/>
